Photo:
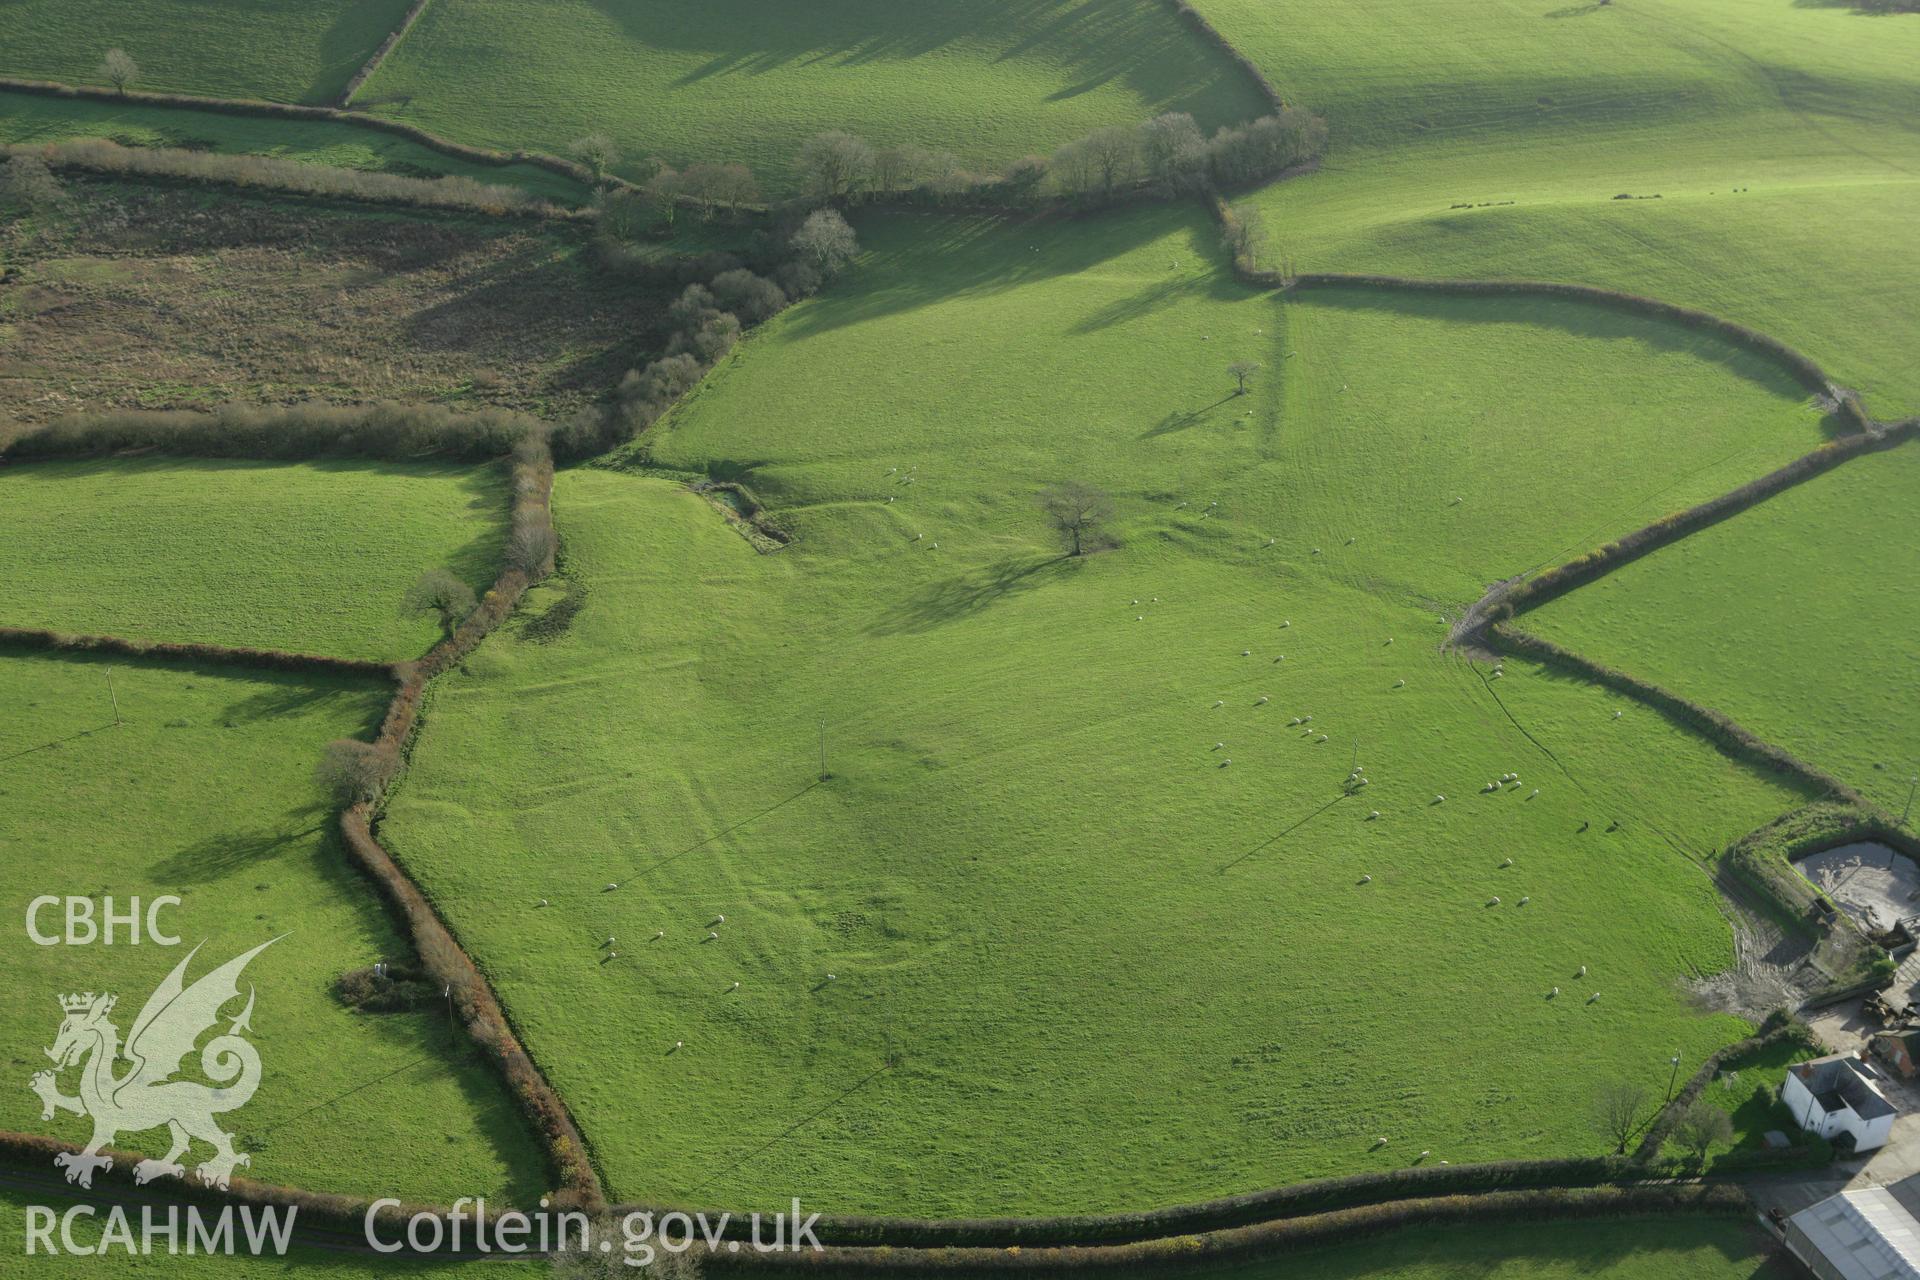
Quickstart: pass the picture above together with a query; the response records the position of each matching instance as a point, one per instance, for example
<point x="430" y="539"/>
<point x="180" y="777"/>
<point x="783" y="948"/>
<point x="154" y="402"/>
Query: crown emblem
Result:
<point x="81" y="1003"/>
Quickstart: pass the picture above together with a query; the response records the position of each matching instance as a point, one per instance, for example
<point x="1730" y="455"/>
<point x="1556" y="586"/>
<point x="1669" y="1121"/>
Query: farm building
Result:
<point x="1839" y="1095"/>
<point x="1867" y="1234"/>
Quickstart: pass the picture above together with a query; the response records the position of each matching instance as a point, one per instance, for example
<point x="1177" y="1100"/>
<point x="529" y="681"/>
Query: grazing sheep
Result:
<point x="1525" y="901"/>
<point x="1246" y="653"/>
<point x="1156" y="600"/>
<point x="608" y="942"/>
<point x="734" y="987"/>
<point x="543" y="902"/>
<point x="1593" y="997"/>
<point x="659" y="933"/>
<point x="1219" y="745"/>
<point x="613" y="955"/>
<point x="1378" y="1143"/>
<point x="1439" y="799"/>
<point x="1136" y="602"/>
<point x="1389" y="639"/>
<point x="1225" y="763"/>
<point x="1373" y="815"/>
<point x="1495" y="676"/>
<point x="1553" y="994"/>
<point x="1493" y="902"/>
<point x="1306" y="719"/>
<point x="1263" y="701"/>
<point x="1531" y="794"/>
<point x="1582" y="973"/>
<point x="1284" y="625"/>
<point x="1269" y="543"/>
<point x="679" y="1044"/>
<point x="1293" y="722"/>
<point x="936" y="547"/>
<point x="1349" y="541"/>
<point x="611" y="886"/>
<point x="712" y="936"/>
<point x="1321" y="738"/>
<point x="889" y="499"/>
<point x="1139" y="617"/>
<point x="1400" y="684"/>
<point x="1366" y="879"/>
<point x="719" y="919"/>
<point x="1220" y="702"/>
<point x="1316" y="551"/>
<point x="1507" y="863"/>
<point x="1618" y="714"/>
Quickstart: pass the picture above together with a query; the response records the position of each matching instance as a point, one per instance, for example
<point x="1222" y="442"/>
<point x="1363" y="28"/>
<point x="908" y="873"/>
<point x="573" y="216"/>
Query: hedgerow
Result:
<point x="386" y="431"/>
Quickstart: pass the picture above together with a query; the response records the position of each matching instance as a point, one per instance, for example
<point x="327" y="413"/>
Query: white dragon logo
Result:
<point x="145" y="1097"/>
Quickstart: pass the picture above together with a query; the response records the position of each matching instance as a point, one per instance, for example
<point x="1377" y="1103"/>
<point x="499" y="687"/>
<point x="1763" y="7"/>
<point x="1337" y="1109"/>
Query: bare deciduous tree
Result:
<point x="1115" y="154"/>
<point x="1616" y="1113"/>
<point x="353" y="771"/>
<point x="598" y="152"/>
<point x="1701" y="1128"/>
<point x="1241" y="371"/>
<point x="439" y="593"/>
<point x="1246" y="235"/>
<point x="834" y="165"/>
<point x="664" y="189"/>
<point x="1076" y="511"/>
<point x="1173" y="150"/>
<point x="825" y="241"/>
<point x="119" y="69"/>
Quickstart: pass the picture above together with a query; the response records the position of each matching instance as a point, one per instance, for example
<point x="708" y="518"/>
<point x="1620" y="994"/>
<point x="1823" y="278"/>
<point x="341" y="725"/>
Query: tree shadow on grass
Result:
<point x="1183" y="419"/>
<point x="966" y="594"/>
<point x="219" y="855"/>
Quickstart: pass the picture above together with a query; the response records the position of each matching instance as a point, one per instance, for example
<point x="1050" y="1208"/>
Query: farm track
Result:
<point x="1768" y="963"/>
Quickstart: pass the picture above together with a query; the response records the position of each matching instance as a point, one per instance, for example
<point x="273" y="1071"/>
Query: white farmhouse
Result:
<point x="1836" y="1095"/>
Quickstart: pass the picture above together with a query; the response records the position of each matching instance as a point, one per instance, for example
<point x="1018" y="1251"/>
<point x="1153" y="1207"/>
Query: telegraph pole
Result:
<point x="116" y="701"/>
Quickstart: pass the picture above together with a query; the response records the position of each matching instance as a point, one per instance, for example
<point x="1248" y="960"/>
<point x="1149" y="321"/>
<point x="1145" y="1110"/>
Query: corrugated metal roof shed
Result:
<point x="1863" y="1235"/>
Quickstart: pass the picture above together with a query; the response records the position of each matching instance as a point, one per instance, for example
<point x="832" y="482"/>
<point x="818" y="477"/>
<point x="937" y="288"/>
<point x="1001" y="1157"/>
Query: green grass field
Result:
<point x="279" y="50"/>
<point x="205" y="791"/>
<point x="31" y="119"/>
<point x="733" y="80"/>
<point x="1634" y="1249"/>
<point x="312" y="558"/>
<point x="1793" y="618"/>
<point x="1107" y="968"/>
<point x="1491" y="138"/>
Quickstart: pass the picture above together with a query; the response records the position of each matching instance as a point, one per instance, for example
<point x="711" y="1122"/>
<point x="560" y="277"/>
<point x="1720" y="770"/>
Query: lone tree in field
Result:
<point x="1703" y="1127"/>
<point x="1241" y="371"/>
<point x="1616" y="1113"/>
<point x="825" y="242"/>
<point x="439" y="593"/>
<point x="1076" y="511"/>
<point x="119" y="69"/>
<point x="598" y="152"/>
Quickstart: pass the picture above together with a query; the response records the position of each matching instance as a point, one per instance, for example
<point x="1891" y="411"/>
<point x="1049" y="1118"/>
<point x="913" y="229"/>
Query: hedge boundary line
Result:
<point x="444" y="959"/>
<point x="379" y="55"/>
<point x="294" y="111"/>
<point x="1560" y="579"/>
<point x="292" y="179"/>
<point x="1663" y="1124"/>
<point x="164" y="651"/>
<point x="1732" y="738"/>
<point x="1199" y="22"/>
<point x="1266" y="1239"/>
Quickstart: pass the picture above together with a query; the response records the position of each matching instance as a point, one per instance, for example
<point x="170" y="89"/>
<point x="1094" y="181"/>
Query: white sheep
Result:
<point x="719" y="919"/>
<point x="1220" y="702"/>
<point x="613" y="955"/>
<point x="1525" y="901"/>
<point x="1225" y="763"/>
<point x="1321" y="738"/>
<point x="1349" y="541"/>
<point x="1493" y="902"/>
<point x="659" y="933"/>
<point x="1497" y="673"/>
<point x="1263" y="701"/>
<point x="1218" y="745"/>
<point x="889" y="499"/>
<point x="1286" y="624"/>
<point x="1293" y="722"/>
<point x="735" y="986"/>
<point x="1582" y="973"/>
<point x="1316" y="551"/>
<point x="1400" y="684"/>
<point x="608" y="942"/>
<point x="1507" y="863"/>
<point x="1553" y="993"/>
<point x="1439" y="799"/>
<point x="1593" y="997"/>
<point x="936" y="547"/>
<point x="1531" y="794"/>
<point x="1366" y="879"/>
<point x="1269" y="542"/>
<point x="1246" y="653"/>
<point x="1139" y="617"/>
<point x="1306" y="719"/>
<point x="543" y="902"/>
<point x="1373" y="815"/>
<point x="712" y="936"/>
<point x="1389" y="639"/>
<point x="612" y="885"/>
<point x="1618" y="714"/>
<point x="1280" y="657"/>
<point x="679" y="1044"/>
